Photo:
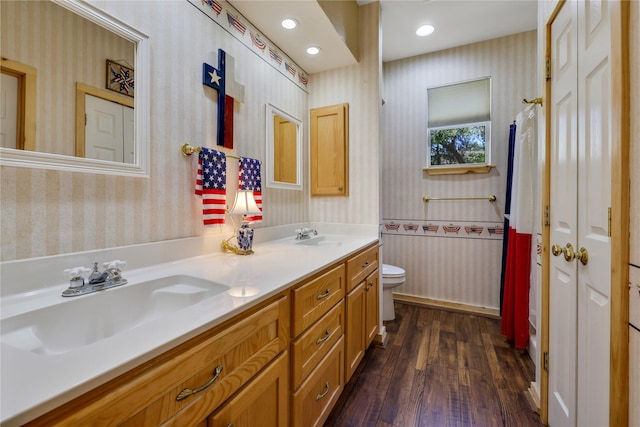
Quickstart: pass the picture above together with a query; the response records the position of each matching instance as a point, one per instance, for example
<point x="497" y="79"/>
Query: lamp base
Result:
<point x="227" y="246"/>
<point x="244" y="239"/>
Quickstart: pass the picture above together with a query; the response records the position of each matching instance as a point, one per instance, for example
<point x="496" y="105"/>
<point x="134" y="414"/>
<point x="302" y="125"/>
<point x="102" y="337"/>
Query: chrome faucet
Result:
<point x="305" y="233"/>
<point x="97" y="281"/>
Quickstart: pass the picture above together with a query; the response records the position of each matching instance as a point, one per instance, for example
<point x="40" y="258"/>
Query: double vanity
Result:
<point x="268" y="339"/>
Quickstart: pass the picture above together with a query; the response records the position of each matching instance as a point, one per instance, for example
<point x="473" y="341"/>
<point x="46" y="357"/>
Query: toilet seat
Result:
<point x="392" y="275"/>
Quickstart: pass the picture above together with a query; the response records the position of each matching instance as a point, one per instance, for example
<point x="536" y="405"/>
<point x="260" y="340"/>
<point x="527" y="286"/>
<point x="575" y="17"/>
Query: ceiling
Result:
<point x="456" y="22"/>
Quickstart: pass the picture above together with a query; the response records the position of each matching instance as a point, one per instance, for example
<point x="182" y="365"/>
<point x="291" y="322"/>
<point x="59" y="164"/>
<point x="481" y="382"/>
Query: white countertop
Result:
<point x="33" y="384"/>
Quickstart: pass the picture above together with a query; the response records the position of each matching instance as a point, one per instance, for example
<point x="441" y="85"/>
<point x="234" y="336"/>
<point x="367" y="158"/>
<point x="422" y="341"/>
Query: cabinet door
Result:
<point x="372" y="292"/>
<point x="330" y="150"/>
<point x="355" y="331"/>
<point x="263" y="402"/>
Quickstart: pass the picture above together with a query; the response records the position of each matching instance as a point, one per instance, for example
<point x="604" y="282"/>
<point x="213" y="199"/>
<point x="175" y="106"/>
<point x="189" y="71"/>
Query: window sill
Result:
<point x="458" y="170"/>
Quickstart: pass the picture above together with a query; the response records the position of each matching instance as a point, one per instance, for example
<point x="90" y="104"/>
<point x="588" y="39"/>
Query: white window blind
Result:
<point x="467" y="102"/>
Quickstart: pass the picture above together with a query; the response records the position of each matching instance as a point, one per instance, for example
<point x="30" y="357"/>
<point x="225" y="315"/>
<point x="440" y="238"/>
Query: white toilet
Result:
<point x="392" y="277"/>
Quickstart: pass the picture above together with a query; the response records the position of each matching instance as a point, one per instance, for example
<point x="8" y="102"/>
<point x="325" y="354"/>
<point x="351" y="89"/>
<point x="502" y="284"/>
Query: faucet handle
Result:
<point x="116" y="264"/>
<point x="76" y="272"/>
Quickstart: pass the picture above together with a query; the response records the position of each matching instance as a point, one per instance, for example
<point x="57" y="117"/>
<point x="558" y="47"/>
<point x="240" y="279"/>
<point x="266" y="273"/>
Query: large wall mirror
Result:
<point x="284" y="149"/>
<point x="79" y="97"/>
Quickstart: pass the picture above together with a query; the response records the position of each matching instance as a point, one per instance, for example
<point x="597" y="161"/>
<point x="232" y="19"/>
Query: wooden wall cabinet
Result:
<point x="329" y="140"/>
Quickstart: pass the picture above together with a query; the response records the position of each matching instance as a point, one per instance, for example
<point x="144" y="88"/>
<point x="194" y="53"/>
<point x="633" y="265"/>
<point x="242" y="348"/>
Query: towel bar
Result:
<point x="188" y="149"/>
<point x="491" y="198"/>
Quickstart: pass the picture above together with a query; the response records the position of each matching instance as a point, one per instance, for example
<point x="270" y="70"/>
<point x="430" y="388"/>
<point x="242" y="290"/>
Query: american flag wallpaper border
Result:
<point x="488" y="230"/>
<point x="230" y="20"/>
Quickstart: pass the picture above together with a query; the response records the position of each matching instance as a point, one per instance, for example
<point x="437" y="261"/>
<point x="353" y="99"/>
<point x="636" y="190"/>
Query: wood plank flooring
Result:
<point x="439" y="368"/>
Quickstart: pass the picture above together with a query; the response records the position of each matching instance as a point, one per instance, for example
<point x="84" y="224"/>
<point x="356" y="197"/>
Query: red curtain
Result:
<point x="515" y="300"/>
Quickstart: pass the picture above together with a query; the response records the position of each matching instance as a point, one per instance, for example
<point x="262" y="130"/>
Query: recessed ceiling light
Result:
<point x="424" y="30"/>
<point x="289" y="23"/>
<point x="313" y="50"/>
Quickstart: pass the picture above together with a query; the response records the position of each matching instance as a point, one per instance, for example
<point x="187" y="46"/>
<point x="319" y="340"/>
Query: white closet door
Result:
<point x="594" y="189"/>
<point x="579" y="312"/>
<point x="564" y="227"/>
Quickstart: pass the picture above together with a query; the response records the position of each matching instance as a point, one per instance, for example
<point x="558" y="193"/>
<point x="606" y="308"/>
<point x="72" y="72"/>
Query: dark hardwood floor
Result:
<point x="439" y="368"/>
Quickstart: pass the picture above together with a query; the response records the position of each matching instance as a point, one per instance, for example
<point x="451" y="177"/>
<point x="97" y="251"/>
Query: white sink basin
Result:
<point x="84" y="320"/>
<point x="319" y="241"/>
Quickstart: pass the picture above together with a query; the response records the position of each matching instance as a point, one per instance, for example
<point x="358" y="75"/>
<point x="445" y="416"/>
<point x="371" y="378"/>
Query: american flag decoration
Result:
<point x="410" y="227"/>
<point x="290" y="69"/>
<point x="430" y="228"/>
<point x="237" y="24"/>
<point x="257" y="41"/>
<point x="391" y="226"/>
<point x="473" y="229"/>
<point x="211" y="185"/>
<point x="274" y="55"/>
<point x="495" y="230"/>
<point x="249" y="179"/>
<point x="213" y="5"/>
<point x="451" y="228"/>
<point x="302" y="79"/>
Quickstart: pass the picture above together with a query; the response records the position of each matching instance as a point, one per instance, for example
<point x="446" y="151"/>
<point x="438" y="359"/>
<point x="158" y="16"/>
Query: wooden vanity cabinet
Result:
<point x="317" y="347"/>
<point x="262" y="402"/>
<point x="147" y="396"/>
<point x="281" y="363"/>
<point x="362" y="307"/>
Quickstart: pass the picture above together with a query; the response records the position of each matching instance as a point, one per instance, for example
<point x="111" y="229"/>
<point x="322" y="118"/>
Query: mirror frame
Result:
<point x="34" y="159"/>
<point x="271" y="112"/>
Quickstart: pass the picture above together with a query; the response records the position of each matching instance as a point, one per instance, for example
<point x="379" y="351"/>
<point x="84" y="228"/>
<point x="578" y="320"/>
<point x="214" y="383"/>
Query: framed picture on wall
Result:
<point x="120" y="78"/>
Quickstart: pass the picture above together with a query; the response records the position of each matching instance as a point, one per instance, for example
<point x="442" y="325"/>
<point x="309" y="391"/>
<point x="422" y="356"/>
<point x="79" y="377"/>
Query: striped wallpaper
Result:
<point x="358" y="85"/>
<point x="52" y="212"/>
<point x="466" y="269"/>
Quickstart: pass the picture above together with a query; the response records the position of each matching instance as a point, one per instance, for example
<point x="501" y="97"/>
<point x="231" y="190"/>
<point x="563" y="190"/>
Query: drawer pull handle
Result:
<point x="327" y="334"/>
<point x="366" y="264"/>
<point x="188" y="392"/>
<point x="322" y="296"/>
<point x="325" y="392"/>
<point x="369" y="285"/>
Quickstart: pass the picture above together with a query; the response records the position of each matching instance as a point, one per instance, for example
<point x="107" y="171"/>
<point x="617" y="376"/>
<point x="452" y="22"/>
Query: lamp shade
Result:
<point x="245" y="204"/>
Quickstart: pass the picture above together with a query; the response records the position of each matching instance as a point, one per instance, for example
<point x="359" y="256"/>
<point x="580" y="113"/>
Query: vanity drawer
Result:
<point x="309" y="349"/>
<point x="313" y="299"/>
<point x="317" y="395"/>
<point x="361" y="265"/>
<point x="147" y="396"/>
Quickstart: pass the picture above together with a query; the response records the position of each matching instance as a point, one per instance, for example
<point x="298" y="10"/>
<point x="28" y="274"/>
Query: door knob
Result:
<point x="569" y="254"/>
<point x="582" y="255"/>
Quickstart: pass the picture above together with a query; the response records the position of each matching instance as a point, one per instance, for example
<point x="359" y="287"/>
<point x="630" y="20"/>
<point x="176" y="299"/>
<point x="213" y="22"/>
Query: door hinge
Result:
<point x="85" y="119"/>
<point x="609" y="222"/>
<point x="547" y="67"/>
<point x="547" y="215"/>
<point x="545" y="362"/>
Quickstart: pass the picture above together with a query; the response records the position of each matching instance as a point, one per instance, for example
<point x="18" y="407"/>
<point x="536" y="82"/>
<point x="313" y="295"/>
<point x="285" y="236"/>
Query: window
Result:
<point x="459" y="122"/>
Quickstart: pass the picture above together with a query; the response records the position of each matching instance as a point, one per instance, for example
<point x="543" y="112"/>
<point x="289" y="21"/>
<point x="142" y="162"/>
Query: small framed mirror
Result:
<point x="284" y="149"/>
<point x="48" y="66"/>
